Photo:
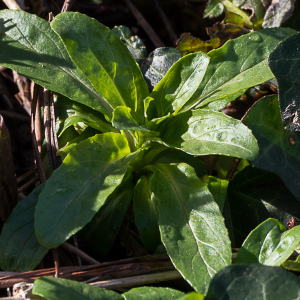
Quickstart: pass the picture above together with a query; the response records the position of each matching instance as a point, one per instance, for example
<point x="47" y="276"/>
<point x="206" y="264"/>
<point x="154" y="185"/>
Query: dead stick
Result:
<point x="233" y="168"/>
<point x="80" y="253"/>
<point x="12" y="4"/>
<point x="26" y="175"/>
<point x="138" y="280"/>
<point x="54" y="141"/>
<point x="166" y="22"/>
<point x="56" y="262"/>
<point x="146" y="26"/>
<point x="67" y="5"/>
<point x="38" y="159"/>
<point x="29" y="183"/>
<point x="76" y="245"/>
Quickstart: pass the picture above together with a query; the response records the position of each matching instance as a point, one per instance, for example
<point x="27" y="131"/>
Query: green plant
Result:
<point x="149" y="147"/>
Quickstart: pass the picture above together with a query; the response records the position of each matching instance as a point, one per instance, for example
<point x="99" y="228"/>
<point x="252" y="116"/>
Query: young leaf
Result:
<point x="254" y="196"/>
<point x="19" y="248"/>
<point x="206" y="132"/>
<point x="152" y="293"/>
<point x="179" y="84"/>
<point x="134" y="44"/>
<point x="238" y="282"/>
<point x="270" y="244"/>
<point x="146" y="215"/>
<point x="101" y="232"/>
<point x="284" y="62"/>
<point x="191" y="224"/>
<point x="63" y="289"/>
<point x="158" y="63"/>
<point x="279" y="149"/>
<point x="80" y="186"/>
<point x="68" y="113"/>
<point x="30" y="47"/>
<point x="125" y="119"/>
<point x="103" y="59"/>
<point x="239" y="64"/>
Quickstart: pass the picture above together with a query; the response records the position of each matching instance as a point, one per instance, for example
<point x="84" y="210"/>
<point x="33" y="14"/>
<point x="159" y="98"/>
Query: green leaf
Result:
<point x="284" y="62"/>
<point x="146" y="214"/>
<point x="205" y="132"/>
<point x="238" y="282"/>
<point x="80" y="186"/>
<point x="270" y="244"/>
<point x="192" y="296"/>
<point x="152" y="293"/>
<point x="125" y="119"/>
<point x="279" y="149"/>
<point x="103" y="59"/>
<point x="19" y="248"/>
<point x="68" y="113"/>
<point x="218" y="189"/>
<point x="158" y="63"/>
<point x="133" y="43"/>
<point x="278" y="12"/>
<point x="291" y="265"/>
<point x="30" y="47"/>
<point x="239" y="64"/>
<point x="101" y="232"/>
<point x="63" y="289"/>
<point x="191" y="224"/>
<point x="179" y="84"/>
<point x="214" y="9"/>
<point x="254" y="196"/>
<point x="259" y="12"/>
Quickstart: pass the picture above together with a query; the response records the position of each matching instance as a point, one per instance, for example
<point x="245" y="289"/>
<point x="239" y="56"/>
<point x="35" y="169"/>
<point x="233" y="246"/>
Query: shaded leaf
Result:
<point x="146" y="214"/>
<point x="206" y="132"/>
<point x="279" y="149"/>
<point x="178" y="85"/>
<point x="152" y="293"/>
<point x="278" y="12"/>
<point x="133" y="43"/>
<point x="80" y="186"/>
<point x="8" y="183"/>
<point x="294" y="21"/>
<point x="157" y="64"/>
<point x="191" y="224"/>
<point x="31" y="48"/>
<point x="254" y="196"/>
<point x="253" y="282"/>
<point x="284" y="62"/>
<point x="103" y="59"/>
<point x="63" y="289"/>
<point x="270" y="244"/>
<point x="291" y="265"/>
<point x="19" y="248"/>
<point x="101" y="232"/>
<point x="239" y="64"/>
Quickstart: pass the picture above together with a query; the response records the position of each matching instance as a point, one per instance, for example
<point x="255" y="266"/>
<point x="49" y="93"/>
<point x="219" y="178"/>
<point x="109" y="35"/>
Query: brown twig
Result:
<point x="146" y="26"/>
<point x="26" y="175"/>
<point x="233" y="168"/>
<point x="166" y="22"/>
<point x="28" y="184"/>
<point x="54" y="141"/>
<point x="56" y="262"/>
<point x="24" y="91"/>
<point x="80" y="253"/>
<point x="35" y="146"/>
<point x="67" y="5"/>
<point x="76" y="245"/>
<point x="12" y="4"/>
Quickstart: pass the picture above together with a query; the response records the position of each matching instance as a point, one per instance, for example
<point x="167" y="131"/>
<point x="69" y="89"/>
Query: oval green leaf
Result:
<point x="239" y="64"/>
<point x="103" y="59"/>
<point x="270" y="244"/>
<point x="80" y="186"/>
<point x="206" y="132"/>
<point x="191" y="224"/>
<point x="19" y="248"/>
<point x="63" y="289"/>
<point x="152" y="293"/>
<point x="30" y="47"/>
<point x="179" y="84"/>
